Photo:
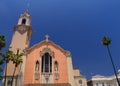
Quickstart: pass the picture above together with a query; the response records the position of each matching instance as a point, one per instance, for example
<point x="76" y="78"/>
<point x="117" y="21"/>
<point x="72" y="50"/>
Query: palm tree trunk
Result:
<point x="17" y="76"/>
<point x="13" y="76"/>
<point x="5" y="74"/>
<point x="113" y="65"/>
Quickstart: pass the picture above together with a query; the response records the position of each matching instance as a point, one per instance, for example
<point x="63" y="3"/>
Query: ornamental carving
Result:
<point x="21" y="29"/>
<point x="68" y="54"/>
<point x="46" y="50"/>
<point x="56" y="74"/>
<point x="37" y="75"/>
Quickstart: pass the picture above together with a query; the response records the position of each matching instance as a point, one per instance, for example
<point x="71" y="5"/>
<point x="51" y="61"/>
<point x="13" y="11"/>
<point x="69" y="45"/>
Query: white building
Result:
<point x="99" y="80"/>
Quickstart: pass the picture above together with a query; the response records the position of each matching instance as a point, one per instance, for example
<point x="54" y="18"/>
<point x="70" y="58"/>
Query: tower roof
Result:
<point x="26" y="13"/>
<point x="25" y="18"/>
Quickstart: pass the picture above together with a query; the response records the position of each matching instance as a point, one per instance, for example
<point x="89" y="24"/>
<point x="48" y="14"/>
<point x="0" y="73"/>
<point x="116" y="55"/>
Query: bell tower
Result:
<point x="20" y="41"/>
<point x="22" y="33"/>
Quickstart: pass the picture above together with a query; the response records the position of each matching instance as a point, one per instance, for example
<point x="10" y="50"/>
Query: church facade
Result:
<point x="44" y="64"/>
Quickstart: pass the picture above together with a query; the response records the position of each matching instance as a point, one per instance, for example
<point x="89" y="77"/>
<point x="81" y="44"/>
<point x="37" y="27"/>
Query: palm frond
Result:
<point x="17" y="59"/>
<point x="106" y="40"/>
<point x="2" y="41"/>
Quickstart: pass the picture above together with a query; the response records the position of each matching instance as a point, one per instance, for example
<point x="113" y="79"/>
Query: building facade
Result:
<point x="99" y="80"/>
<point x="44" y="64"/>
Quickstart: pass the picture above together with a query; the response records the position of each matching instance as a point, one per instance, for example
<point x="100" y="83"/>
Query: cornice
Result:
<point x="99" y="77"/>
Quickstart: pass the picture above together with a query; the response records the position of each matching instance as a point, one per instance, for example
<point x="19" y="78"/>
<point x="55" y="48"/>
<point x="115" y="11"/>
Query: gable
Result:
<point x="47" y="43"/>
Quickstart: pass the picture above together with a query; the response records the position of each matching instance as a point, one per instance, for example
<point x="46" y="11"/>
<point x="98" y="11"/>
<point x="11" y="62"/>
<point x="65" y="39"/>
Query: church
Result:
<point x="44" y="64"/>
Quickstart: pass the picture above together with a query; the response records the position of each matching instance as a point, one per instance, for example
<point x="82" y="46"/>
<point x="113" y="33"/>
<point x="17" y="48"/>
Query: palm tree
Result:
<point x="17" y="60"/>
<point x="106" y="41"/>
<point x="1" y="70"/>
<point x="2" y="44"/>
<point x="7" y="57"/>
<point x="2" y="41"/>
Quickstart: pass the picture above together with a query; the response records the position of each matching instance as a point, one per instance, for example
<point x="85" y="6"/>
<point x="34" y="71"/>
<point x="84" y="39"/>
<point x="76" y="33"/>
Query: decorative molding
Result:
<point x="46" y="43"/>
<point x="23" y="28"/>
<point x="68" y="53"/>
<point x="37" y="75"/>
<point x="56" y="74"/>
<point x="46" y="50"/>
<point x="25" y="15"/>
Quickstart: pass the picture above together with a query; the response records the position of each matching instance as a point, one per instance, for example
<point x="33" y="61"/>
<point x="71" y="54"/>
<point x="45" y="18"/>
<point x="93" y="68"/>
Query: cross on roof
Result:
<point x="47" y="37"/>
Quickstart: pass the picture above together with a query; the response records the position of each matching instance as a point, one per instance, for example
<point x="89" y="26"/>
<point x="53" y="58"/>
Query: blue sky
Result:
<point x="75" y="25"/>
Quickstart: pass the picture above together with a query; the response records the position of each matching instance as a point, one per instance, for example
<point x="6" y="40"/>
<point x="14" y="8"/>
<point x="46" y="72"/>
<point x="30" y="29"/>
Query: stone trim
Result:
<point x="46" y="50"/>
<point x="53" y="84"/>
<point x="27" y="28"/>
<point x="47" y="43"/>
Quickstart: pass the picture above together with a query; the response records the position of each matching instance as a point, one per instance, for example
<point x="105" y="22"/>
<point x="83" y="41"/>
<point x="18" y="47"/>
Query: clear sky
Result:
<point x="75" y="25"/>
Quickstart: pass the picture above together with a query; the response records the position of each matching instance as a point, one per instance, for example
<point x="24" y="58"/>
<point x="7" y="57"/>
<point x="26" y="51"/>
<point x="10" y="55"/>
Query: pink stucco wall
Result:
<point x="34" y="55"/>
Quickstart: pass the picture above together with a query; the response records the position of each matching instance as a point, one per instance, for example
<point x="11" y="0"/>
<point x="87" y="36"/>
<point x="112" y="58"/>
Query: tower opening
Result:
<point x="23" y="21"/>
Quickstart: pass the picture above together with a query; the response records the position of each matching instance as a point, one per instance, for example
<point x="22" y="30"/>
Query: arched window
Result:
<point x="46" y="63"/>
<point x="80" y="82"/>
<point x="23" y="21"/>
<point x="37" y="66"/>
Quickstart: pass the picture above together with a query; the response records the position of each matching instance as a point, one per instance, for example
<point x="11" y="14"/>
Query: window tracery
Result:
<point x="46" y="63"/>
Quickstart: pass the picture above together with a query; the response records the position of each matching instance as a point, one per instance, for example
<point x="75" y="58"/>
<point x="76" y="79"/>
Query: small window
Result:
<point x="96" y="84"/>
<point x="108" y="84"/>
<point x="103" y="84"/>
<point x="80" y="82"/>
<point x="9" y="83"/>
<point x="23" y="21"/>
